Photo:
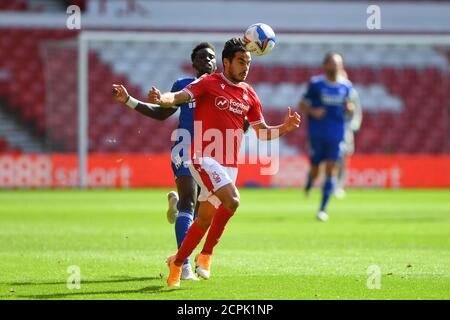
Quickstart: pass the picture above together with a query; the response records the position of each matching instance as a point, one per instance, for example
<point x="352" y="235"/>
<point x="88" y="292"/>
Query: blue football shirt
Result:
<point x="331" y="96"/>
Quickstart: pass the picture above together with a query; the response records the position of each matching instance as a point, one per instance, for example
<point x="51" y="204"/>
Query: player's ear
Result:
<point x="225" y="62"/>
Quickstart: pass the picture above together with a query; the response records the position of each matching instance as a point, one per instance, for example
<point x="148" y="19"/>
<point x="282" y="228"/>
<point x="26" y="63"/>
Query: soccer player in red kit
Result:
<point x="222" y="101"/>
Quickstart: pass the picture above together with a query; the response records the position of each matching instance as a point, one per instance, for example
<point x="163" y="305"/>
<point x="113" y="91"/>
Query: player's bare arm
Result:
<point x="317" y="113"/>
<point x="349" y="108"/>
<point x="168" y="99"/>
<point x="291" y="122"/>
<point x="121" y="95"/>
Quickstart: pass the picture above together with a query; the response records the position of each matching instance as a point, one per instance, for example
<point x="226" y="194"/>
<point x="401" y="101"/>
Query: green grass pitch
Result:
<point x="273" y="248"/>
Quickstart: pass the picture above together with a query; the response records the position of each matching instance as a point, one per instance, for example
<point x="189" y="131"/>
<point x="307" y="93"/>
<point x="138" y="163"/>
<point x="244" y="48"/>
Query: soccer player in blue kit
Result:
<point x="326" y="103"/>
<point x="181" y="208"/>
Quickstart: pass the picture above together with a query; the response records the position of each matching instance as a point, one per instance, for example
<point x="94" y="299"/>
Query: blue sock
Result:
<point x="327" y="190"/>
<point x="182" y="224"/>
<point x="308" y="182"/>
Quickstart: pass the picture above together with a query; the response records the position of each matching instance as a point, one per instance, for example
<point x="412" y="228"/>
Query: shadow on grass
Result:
<point x="114" y="279"/>
<point x="73" y="294"/>
<point x="145" y="290"/>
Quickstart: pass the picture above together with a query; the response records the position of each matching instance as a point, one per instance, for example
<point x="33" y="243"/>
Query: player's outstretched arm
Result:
<point x="168" y="99"/>
<point x="121" y="95"/>
<point x="291" y="122"/>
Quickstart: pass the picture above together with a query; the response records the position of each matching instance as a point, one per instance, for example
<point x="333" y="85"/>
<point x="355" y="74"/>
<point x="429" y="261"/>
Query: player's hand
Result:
<point x="349" y="107"/>
<point x="154" y="96"/>
<point x="292" y="120"/>
<point x="119" y="93"/>
<point x="317" y="113"/>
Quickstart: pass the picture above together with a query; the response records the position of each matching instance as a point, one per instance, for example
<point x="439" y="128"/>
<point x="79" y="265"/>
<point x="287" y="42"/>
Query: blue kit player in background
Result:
<point x="327" y="105"/>
<point x="181" y="204"/>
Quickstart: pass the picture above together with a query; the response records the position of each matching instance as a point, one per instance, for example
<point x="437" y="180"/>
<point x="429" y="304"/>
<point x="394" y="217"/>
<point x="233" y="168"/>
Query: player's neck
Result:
<point x="331" y="78"/>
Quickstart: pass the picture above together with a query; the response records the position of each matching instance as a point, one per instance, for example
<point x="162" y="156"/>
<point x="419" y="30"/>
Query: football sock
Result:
<point x="327" y="190"/>
<point x="190" y="242"/>
<point x="216" y="229"/>
<point x="182" y="224"/>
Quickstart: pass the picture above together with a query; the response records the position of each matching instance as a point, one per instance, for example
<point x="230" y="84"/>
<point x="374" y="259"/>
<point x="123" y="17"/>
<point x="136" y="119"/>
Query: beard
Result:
<point x="240" y="77"/>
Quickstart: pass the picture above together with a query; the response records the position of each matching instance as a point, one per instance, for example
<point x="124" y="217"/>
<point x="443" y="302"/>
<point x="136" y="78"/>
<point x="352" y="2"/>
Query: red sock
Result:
<point x="190" y="242"/>
<point x="216" y="229"/>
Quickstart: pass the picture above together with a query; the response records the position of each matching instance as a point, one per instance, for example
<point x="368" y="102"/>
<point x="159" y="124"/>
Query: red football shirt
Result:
<point x="220" y="109"/>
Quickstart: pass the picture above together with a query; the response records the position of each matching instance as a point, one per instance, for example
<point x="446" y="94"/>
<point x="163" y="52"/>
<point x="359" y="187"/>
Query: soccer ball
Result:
<point x="260" y="39"/>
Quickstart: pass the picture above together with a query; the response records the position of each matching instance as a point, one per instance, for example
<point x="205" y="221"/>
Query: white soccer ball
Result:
<point x="260" y="39"/>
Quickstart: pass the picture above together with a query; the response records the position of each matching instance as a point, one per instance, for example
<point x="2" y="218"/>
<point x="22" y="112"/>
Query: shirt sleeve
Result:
<point x="255" y="115"/>
<point x="175" y="87"/>
<point x="310" y="94"/>
<point x="197" y="88"/>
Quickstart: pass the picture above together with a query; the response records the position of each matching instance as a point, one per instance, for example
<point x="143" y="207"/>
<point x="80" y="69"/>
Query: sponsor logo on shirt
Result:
<point x="235" y="106"/>
<point x="332" y="99"/>
<point x="222" y="103"/>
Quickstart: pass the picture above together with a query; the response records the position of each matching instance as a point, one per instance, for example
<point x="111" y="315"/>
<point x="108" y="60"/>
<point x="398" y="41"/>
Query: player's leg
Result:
<point x="211" y="177"/>
<point x="225" y="210"/>
<point x="341" y="176"/>
<point x="343" y="162"/>
<point x="228" y="201"/>
<point x="229" y="198"/>
<point x="172" y="208"/>
<point x="206" y="211"/>
<point x="179" y="170"/>
<point x="193" y="237"/>
<point x="196" y="232"/>
<point x="332" y="155"/>
<point x="187" y="190"/>
<point x="315" y="156"/>
<point x="312" y="176"/>
<point x="329" y="183"/>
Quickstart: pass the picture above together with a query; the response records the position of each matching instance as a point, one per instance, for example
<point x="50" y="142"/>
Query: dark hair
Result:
<point x="231" y="47"/>
<point x="200" y="46"/>
<point x="330" y="54"/>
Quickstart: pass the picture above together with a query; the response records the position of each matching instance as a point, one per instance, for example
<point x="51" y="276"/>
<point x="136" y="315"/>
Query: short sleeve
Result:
<point x="310" y="94"/>
<point x="176" y="86"/>
<point x="255" y="115"/>
<point x="198" y="87"/>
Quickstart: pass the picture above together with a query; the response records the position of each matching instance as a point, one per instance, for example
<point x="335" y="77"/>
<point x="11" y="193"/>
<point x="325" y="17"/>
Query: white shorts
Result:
<point x="211" y="176"/>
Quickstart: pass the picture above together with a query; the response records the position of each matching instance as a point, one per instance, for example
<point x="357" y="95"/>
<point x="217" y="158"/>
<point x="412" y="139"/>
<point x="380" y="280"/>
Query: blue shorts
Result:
<point x="180" y="171"/>
<point x="323" y="148"/>
<point x="178" y="166"/>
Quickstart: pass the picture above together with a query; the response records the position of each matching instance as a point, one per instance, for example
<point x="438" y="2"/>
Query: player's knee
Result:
<point x="204" y="222"/>
<point x="232" y="204"/>
<point x="186" y="204"/>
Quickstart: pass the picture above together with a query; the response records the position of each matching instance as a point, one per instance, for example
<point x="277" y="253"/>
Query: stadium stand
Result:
<point x="402" y="90"/>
